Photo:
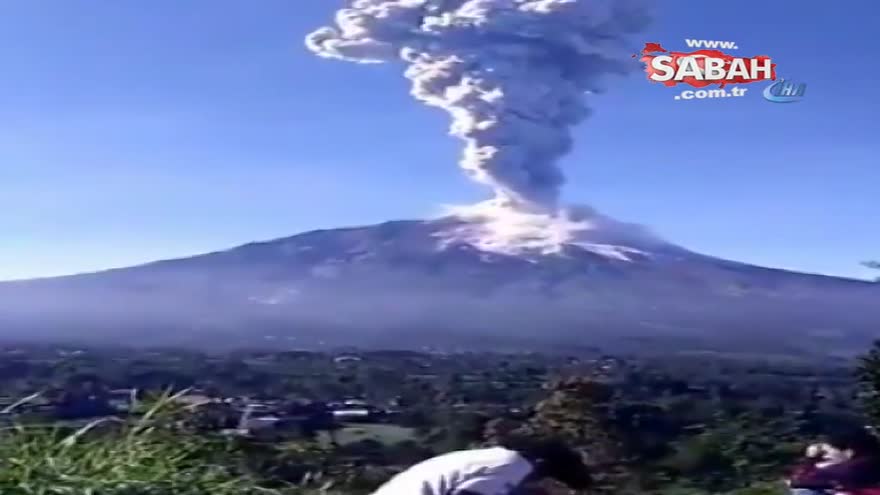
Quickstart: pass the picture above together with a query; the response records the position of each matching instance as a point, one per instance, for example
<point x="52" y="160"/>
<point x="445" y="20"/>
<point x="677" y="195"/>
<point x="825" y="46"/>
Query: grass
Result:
<point x="115" y="457"/>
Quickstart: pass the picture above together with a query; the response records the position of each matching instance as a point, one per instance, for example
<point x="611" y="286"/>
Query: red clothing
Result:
<point x="864" y="491"/>
<point x="857" y="474"/>
<point x="802" y="471"/>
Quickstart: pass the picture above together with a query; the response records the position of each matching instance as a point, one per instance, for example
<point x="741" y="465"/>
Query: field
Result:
<point x="383" y="433"/>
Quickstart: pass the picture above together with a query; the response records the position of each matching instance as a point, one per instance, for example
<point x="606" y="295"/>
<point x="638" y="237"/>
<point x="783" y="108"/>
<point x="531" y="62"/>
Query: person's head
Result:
<point x="851" y="444"/>
<point x="555" y="460"/>
<point x="833" y="455"/>
<point x="816" y="451"/>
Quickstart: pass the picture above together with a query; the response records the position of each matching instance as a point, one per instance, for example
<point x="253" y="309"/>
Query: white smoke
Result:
<point x="491" y="226"/>
<point x="513" y="74"/>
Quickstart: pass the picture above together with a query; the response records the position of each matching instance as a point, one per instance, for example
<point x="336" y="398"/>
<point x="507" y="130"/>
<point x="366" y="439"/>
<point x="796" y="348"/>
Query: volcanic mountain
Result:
<point x="412" y="284"/>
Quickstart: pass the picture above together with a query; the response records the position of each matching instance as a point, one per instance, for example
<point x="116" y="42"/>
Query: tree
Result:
<point x="735" y="451"/>
<point x="869" y="379"/>
<point x="577" y="413"/>
<point x="577" y="410"/>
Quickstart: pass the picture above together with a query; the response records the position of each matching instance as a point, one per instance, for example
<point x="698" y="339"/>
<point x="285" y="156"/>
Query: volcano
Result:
<point x="417" y="284"/>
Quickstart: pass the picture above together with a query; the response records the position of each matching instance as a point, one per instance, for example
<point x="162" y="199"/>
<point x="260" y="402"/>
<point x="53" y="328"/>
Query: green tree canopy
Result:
<point x="869" y="378"/>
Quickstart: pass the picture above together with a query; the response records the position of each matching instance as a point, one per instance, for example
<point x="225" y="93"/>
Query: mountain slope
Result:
<point x="408" y="284"/>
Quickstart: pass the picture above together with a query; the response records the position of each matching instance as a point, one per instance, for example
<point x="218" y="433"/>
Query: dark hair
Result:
<point x="553" y="459"/>
<point x="860" y="441"/>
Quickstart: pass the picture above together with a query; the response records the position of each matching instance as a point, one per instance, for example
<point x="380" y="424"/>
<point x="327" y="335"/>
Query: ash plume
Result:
<point x="513" y="74"/>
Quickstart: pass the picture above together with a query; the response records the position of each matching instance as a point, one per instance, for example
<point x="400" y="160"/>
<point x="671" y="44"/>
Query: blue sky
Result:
<point x="132" y="131"/>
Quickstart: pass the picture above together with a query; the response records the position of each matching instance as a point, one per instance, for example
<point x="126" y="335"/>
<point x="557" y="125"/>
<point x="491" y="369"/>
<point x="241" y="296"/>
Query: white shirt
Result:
<point x="494" y="471"/>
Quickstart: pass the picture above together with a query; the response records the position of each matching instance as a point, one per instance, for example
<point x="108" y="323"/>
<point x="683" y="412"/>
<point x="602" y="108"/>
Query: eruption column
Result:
<point x="513" y="75"/>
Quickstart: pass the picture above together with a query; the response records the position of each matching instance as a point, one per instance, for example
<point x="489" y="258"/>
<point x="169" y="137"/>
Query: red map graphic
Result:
<point x="652" y="50"/>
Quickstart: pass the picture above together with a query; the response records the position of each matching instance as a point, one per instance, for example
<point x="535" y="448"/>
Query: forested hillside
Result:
<point x="122" y="421"/>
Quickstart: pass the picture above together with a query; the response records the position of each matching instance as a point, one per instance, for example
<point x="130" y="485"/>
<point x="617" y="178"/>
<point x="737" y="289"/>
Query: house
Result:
<point x="347" y="359"/>
<point x="122" y="399"/>
<point x="194" y="400"/>
<point x="268" y="425"/>
<point x="360" y="414"/>
<point x="256" y="423"/>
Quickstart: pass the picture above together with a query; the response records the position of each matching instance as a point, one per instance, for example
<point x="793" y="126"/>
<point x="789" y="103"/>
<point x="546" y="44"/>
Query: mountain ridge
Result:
<point x="276" y="240"/>
<point x="400" y="222"/>
<point x="402" y="281"/>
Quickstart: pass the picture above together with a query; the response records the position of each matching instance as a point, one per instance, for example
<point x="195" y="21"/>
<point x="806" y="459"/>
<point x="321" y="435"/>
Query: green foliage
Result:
<point x="734" y="453"/>
<point x="146" y="456"/>
<point x="576" y="411"/>
<point x="869" y="378"/>
<point x="668" y="425"/>
<point x="776" y="488"/>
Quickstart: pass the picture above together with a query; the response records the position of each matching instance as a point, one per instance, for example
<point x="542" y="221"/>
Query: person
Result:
<point x="826" y="455"/>
<point x="512" y="468"/>
<point x="818" y="456"/>
<point x="854" y="467"/>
